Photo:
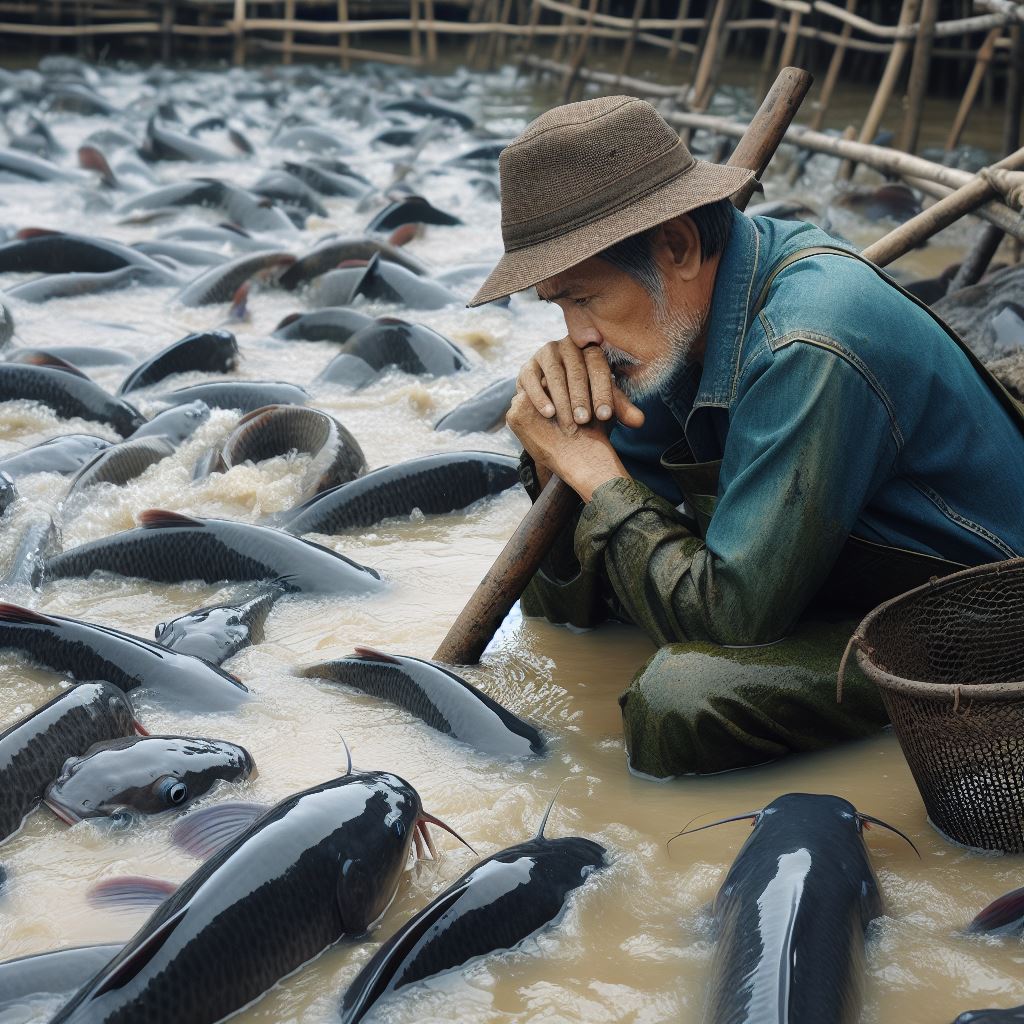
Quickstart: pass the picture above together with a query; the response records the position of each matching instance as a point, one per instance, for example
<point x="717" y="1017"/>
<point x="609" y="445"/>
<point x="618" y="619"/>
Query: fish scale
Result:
<point x="33" y="750"/>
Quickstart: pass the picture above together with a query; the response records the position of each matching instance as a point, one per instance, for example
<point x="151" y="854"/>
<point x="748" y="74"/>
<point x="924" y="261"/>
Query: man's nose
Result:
<point x="581" y="329"/>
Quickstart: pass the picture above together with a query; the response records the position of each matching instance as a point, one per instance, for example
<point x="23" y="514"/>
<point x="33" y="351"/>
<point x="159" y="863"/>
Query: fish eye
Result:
<point x="172" y="791"/>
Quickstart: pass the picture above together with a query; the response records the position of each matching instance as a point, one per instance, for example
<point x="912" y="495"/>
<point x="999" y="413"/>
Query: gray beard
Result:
<point x="682" y="330"/>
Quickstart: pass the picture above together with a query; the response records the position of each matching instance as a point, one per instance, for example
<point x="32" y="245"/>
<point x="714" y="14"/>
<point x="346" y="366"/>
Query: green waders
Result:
<point x="698" y="708"/>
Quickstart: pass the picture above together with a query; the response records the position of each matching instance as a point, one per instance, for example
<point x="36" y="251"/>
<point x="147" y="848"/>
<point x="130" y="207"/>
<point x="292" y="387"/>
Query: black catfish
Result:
<point x="171" y="548"/>
<point x="68" y="394"/>
<point x="219" y="632"/>
<point x="493" y="906"/>
<point x="327" y="255"/>
<point x="445" y="701"/>
<point x="410" y="210"/>
<point x="321" y="864"/>
<point x="486" y="410"/>
<point x="64" y="286"/>
<point x="335" y="323"/>
<point x="143" y="775"/>
<point x="219" y="284"/>
<point x="1003" y="916"/>
<point x="791" y="914"/>
<point x="33" y="750"/>
<point x="212" y="351"/>
<point x="412" y="348"/>
<point x="381" y="281"/>
<point x="121" y="463"/>
<point x="434" y="484"/>
<point x="245" y="395"/>
<point x="176" y="424"/>
<point x="65" y="454"/>
<point x="83" y="650"/>
<point x="282" y="429"/>
<point x="56" y="972"/>
<point x="1013" y="1015"/>
<point x="64" y="253"/>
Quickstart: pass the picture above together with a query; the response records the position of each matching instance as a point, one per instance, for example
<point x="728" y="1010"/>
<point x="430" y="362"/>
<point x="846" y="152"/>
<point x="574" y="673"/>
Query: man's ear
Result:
<point x="681" y="242"/>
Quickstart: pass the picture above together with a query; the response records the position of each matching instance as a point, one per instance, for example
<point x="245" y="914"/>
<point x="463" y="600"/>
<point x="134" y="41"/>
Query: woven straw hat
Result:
<point x="587" y="175"/>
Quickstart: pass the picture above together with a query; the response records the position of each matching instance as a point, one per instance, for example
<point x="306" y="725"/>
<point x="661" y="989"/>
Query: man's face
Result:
<point x="644" y="336"/>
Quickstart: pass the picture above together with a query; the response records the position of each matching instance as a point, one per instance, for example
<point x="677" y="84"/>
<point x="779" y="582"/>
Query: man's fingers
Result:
<point x="625" y="411"/>
<point x="600" y="381"/>
<point x="578" y="378"/>
<point x="530" y="383"/>
<point x="550" y="361"/>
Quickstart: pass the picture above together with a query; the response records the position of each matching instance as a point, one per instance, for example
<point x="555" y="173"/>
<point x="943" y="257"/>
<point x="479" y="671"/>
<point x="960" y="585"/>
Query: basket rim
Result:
<point x="920" y="687"/>
<point x="957" y="692"/>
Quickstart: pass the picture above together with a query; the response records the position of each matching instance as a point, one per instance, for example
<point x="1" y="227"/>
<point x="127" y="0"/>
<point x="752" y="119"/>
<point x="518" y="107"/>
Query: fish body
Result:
<point x="486" y="410"/>
<point x="219" y="283"/>
<point x="65" y="454"/>
<point x="493" y="906"/>
<point x="420" y="106"/>
<point x="329" y="254"/>
<point x="437" y="696"/>
<point x="434" y="484"/>
<point x="410" y="210"/>
<point x="334" y="323"/>
<point x="245" y="395"/>
<point x="790" y="918"/>
<point x="33" y="750"/>
<point x="382" y="281"/>
<point x="68" y="395"/>
<point x="412" y="348"/>
<point x="121" y="463"/>
<point x="321" y="864"/>
<point x="176" y="424"/>
<point x="56" y="972"/>
<point x="1013" y="1015"/>
<point x="282" y="429"/>
<point x="83" y="650"/>
<point x="219" y="632"/>
<point x="143" y="775"/>
<point x="211" y="351"/>
<point x="39" y="539"/>
<point x="62" y="286"/>
<point x="65" y="253"/>
<point x="171" y="548"/>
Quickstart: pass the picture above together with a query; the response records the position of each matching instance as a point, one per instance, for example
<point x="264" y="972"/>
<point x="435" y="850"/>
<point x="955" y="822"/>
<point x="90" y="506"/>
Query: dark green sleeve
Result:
<point x="561" y="591"/>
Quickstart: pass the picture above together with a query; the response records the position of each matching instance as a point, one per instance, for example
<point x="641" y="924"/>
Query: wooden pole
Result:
<point x="964" y="200"/>
<point x="239" y="19"/>
<point x="500" y="41"/>
<point x="289" y="34"/>
<point x="569" y="82"/>
<point x="898" y="53"/>
<point x="677" y="32"/>
<point x="832" y="75"/>
<point x="917" y="87"/>
<point x="428" y="13"/>
<point x="343" y="38"/>
<point x="562" y="40"/>
<point x="531" y="30"/>
<point x="415" y="43"/>
<point x="770" y="47"/>
<point x="981" y="64"/>
<point x="627" y="52"/>
<point x="703" y="83"/>
<point x="515" y="566"/>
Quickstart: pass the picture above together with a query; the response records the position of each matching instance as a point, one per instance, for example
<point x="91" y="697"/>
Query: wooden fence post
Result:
<point x="239" y="19"/>
<point x="832" y="75"/>
<point x="572" y="72"/>
<point x="918" y="84"/>
<point x="627" y="52"/>
<point x="981" y="64"/>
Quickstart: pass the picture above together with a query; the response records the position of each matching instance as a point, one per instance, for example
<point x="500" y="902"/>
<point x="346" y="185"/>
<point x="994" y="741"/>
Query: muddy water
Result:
<point x="634" y="944"/>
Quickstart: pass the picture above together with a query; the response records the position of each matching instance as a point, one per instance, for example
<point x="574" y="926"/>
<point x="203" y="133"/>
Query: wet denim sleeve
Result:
<point x="809" y="442"/>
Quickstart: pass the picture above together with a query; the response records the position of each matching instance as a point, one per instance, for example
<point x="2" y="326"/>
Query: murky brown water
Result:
<point x="633" y="946"/>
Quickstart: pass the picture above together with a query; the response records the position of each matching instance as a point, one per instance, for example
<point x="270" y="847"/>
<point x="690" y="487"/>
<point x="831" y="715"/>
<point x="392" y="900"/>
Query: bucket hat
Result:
<point x="586" y="175"/>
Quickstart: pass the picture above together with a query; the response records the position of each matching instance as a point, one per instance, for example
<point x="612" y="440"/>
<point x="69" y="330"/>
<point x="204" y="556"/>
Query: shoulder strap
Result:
<point x="1013" y="408"/>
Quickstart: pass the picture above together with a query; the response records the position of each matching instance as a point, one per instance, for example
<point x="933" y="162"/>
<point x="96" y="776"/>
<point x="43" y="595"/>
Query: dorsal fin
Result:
<point x="130" y="892"/>
<point x="372" y="654"/>
<point x="1004" y="913"/>
<point x="158" y="518"/>
<point x="126" y="969"/>
<point x="346" y="264"/>
<point x="40" y="357"/>
<point x="403" y="235"/>
<point x="289" y="319"/>
<point x="238" y="310"/>
<point x="15" y="613"/>
<point x="24" y="234"/>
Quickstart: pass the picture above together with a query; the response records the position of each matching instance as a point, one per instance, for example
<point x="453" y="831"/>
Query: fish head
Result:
<point x="376" y="848"/>
<point x="143" y="775"/>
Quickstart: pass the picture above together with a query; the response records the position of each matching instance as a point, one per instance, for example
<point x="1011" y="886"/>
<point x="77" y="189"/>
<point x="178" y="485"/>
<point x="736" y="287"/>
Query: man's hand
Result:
<point x="572" y="384"/>
<point x="582" y="456"/>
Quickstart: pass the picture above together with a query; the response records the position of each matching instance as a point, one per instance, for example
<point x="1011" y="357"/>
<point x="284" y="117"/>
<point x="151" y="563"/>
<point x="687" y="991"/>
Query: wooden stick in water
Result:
<point x="519" y="559"/>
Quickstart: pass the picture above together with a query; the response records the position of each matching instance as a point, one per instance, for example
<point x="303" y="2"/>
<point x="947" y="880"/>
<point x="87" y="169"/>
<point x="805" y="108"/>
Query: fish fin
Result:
<point x="92" y="159"/>
<point x="238" y="310"/>
<point x="52" y="362"/>
<point x="372" y="654"/>
<point x="15" y="613"/>
<point x="202" y="833"/>
<point x="157" y="518"/>
<point x="130" y="892"/>
<point x="403" y="235"/>
<point x="124" y="970"/>
<point x="23" y="234"/>
<point x="289" y="319"/>
<point x="1000" y="913"/>
<point x="372" y="982"/>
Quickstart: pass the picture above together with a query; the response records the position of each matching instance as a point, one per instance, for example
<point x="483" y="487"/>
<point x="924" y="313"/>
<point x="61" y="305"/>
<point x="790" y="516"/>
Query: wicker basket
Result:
<point x="948" y="658"/>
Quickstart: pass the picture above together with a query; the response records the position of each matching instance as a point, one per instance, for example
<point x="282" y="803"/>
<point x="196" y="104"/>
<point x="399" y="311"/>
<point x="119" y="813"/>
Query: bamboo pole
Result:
<point x="569" y="82"/>
<point x="918" y="84"/>
<point x="820" y="108"/>
<point x="677" y="31"/>
<point x="526" y="45"/>
<point x="500" y="41"/>
<point x="897" y="55"/>
<point x="561" y="41"/>
<point x="635" y="86"/>
<point x="415" y="43"/>
<point x="522" y="555"/>
<point x="627" y="52"/>
<point x="289" y="33"/>
<point x="792" y="36"/>
<point x="981" y="64"/>
<point x="428" y="14"/>
<point x="344" y="58"/>
<point x="770" y="47"/>
<point x="239" y="27"/>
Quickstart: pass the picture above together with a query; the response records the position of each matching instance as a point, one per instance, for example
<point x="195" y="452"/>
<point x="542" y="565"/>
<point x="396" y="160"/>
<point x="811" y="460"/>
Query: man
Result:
<point x="794" y="435"/>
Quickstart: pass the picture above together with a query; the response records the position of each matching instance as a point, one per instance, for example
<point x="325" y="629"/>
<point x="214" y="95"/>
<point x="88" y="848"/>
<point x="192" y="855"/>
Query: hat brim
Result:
<point x="700" y="184"/>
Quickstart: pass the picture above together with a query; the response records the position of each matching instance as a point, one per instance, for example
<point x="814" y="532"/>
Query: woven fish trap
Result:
<point x="948" y="658"/>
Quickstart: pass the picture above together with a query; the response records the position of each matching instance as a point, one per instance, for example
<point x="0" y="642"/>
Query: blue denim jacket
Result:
<point x="842" y="408"/>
